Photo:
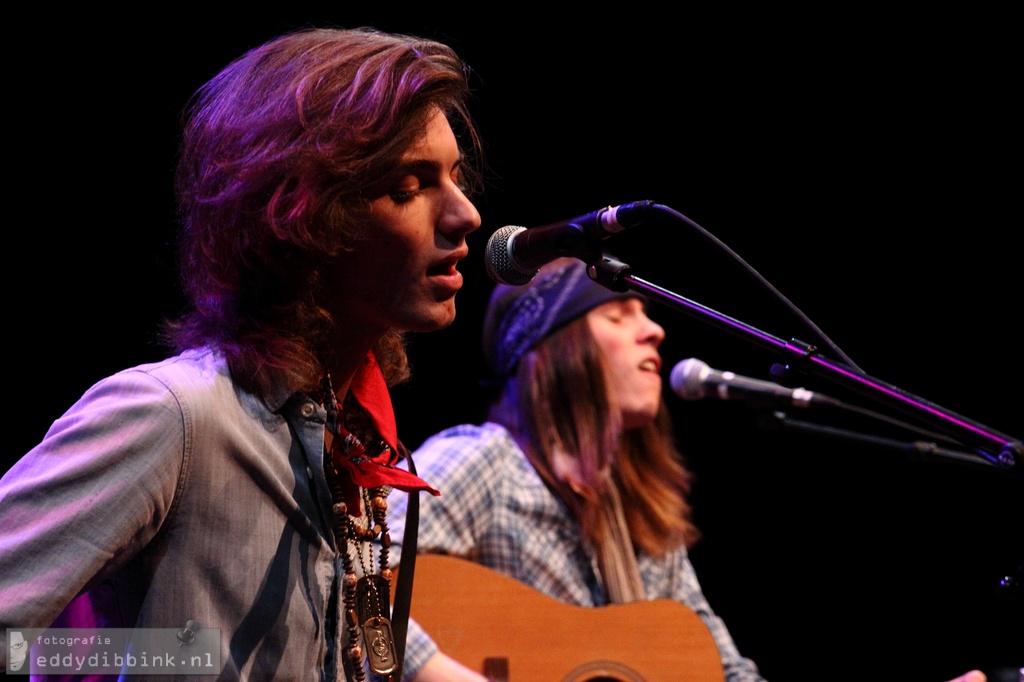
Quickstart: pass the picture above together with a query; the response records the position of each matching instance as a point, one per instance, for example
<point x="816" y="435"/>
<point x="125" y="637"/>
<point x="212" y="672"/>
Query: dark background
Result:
<point x="861" y="163"/>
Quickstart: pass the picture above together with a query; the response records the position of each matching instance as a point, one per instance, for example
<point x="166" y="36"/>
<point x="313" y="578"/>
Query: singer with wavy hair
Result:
<point x="231" y="491"/>
<point x="281" y="156"/>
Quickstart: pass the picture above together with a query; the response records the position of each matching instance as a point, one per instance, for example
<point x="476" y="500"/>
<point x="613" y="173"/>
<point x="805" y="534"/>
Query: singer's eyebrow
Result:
<point x="432" y="165"/>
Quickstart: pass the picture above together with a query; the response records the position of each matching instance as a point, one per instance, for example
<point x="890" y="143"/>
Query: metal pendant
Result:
<point x="373" y="606"/>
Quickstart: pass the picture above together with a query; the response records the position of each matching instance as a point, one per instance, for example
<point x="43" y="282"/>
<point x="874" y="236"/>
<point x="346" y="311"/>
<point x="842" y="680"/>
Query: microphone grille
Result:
<point x="688" y="377"/>
<point x="500" y="266"/>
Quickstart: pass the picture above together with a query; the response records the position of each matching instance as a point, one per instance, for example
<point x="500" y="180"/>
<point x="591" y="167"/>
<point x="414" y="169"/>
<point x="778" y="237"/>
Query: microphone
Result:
<point x="692" y="379"/>
<point x="514" y="254"/>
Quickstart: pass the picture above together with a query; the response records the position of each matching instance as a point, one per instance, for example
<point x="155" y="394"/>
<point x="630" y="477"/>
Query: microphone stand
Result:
<point x="999" y="450"/>
<point x="919" y="449"/>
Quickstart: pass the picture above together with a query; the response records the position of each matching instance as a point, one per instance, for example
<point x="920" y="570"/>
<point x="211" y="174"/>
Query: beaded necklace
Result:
<point x="366" y="598"/>
<point x="360" y="470"/>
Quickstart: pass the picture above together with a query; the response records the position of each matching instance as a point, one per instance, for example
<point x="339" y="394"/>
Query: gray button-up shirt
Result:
<point x="166" y="494"/>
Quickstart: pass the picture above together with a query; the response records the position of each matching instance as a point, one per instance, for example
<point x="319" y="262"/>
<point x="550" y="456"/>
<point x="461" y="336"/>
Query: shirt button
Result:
<point x="307" y="409"/>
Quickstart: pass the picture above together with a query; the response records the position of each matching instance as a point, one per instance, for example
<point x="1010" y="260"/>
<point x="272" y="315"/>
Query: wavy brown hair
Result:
<point x="558" y="399"/>
<point x="278" y="152"/>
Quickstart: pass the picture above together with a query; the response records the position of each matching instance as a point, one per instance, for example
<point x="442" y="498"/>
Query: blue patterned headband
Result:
<point x="519" y="317"/>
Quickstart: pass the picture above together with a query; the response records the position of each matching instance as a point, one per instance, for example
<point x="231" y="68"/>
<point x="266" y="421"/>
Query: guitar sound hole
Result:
<point x="603" y="671"/>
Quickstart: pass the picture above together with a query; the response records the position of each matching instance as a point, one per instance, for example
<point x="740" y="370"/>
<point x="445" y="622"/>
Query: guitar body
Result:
<point x="512" y="632"/>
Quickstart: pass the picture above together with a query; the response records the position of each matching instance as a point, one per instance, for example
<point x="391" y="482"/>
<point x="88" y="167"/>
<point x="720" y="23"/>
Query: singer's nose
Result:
<point x="459" y="214"/>
<point x="655" y="332"/>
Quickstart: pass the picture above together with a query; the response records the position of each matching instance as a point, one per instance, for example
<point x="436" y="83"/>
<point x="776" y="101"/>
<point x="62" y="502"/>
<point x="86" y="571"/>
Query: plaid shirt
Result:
<point x="495" y="510"/>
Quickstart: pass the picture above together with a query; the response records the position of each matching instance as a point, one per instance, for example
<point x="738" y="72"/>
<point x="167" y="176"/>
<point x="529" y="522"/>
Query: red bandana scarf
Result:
<point x="365" y="449"/>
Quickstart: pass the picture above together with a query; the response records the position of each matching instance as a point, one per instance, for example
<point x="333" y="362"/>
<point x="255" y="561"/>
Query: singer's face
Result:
<point x="403" y="275"/>
<point x="629" y="342"/>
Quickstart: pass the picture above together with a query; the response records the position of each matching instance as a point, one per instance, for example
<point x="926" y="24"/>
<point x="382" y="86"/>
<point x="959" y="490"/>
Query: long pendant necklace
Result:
<point x="366" y="596"/>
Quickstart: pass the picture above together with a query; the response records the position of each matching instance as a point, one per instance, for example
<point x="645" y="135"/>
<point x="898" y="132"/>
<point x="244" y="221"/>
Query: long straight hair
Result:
<point x="558" y="404"/>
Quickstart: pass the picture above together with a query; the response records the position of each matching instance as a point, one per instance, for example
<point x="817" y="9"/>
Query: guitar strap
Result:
<point x="407" y="566"/>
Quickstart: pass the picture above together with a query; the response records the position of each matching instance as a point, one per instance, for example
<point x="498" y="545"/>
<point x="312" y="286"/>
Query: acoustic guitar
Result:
<point x="511" y="632"/>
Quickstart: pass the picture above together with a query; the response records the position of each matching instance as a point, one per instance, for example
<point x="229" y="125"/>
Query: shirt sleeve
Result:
<point x="89" y="497"/>
<point x="686" y="589"/>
